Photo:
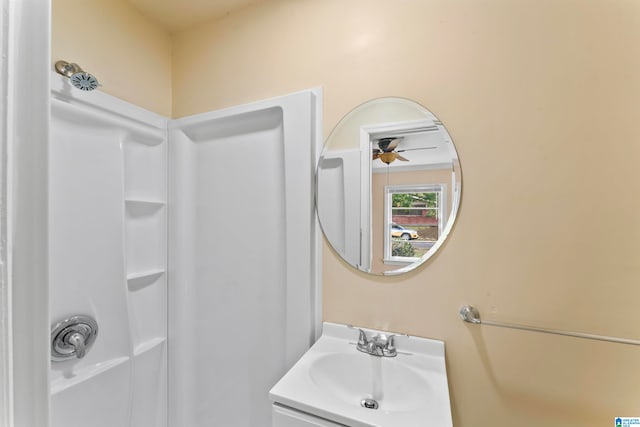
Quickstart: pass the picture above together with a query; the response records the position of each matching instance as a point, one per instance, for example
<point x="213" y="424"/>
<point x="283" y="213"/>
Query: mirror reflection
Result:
<point x="389" y="186"/>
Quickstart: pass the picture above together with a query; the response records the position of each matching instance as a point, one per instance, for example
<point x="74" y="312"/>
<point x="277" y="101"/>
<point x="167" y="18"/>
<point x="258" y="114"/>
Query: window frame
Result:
<point x="389" y="190"/>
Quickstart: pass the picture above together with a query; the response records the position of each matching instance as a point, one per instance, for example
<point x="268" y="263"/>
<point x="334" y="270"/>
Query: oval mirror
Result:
<point x="388" y="186"/>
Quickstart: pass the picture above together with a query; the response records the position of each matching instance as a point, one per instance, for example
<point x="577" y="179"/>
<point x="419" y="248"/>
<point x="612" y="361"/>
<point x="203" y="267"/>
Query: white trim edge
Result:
<point x="26" y="141"/>
<point x="6" y="380"/>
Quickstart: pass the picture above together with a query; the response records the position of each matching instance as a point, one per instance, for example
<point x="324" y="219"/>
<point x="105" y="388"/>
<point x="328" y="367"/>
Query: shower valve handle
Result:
<point x="76" y="340"/>
<point x="72" y="338"/>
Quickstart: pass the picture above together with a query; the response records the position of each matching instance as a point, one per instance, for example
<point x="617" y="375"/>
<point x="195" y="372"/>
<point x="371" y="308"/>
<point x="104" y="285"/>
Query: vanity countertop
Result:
<point x="332" y="379"/>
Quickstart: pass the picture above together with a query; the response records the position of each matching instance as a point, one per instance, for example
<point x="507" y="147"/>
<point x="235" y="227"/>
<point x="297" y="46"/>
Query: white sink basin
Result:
<point x="332" y="379"/>
<point x="352" y="377"/>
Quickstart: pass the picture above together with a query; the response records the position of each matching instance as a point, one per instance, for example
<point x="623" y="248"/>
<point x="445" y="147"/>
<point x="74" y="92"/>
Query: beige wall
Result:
<point x="541" y="99"/>
<point x="129" y="54"/>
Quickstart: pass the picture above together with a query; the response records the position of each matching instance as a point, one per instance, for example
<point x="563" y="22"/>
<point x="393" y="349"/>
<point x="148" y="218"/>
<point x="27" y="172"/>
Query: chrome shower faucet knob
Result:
<point x="72" y="338"/>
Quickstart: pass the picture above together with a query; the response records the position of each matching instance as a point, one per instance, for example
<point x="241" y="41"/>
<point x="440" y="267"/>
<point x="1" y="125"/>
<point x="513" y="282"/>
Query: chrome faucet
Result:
<point x="378" y="345"/>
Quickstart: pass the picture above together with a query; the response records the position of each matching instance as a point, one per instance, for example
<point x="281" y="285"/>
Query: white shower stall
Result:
<point x="193" y="244"/>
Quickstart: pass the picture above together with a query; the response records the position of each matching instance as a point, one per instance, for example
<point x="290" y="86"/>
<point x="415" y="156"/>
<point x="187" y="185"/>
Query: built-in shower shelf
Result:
<point x="145" y="274"/>
<point x="136" y="281"/>
<point x="149" y="345"/>
<point x="83" y="374"/>
<point x="144" y="138"/>
<point x="143" y="202"/>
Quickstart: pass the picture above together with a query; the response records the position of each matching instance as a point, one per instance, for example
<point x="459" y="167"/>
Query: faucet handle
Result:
<point x="362" y="338"/>
<point x="390" y="346"/>
<point x="76" y="340"/>
<point x="365" y="344"/>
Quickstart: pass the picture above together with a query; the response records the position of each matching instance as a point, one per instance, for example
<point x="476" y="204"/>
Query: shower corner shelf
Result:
<point x="148" y="345"/>
<point x="143" y="202"/>
<point x="145" y="274"/>
<point x="143" y="279"/>
<point x="142" y="136"/>
<point x="139" y="208"/>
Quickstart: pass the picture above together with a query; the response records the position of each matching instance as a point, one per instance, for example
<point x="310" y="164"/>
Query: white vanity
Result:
<point x="335" y="384"/>
<point x="287" y="417"/>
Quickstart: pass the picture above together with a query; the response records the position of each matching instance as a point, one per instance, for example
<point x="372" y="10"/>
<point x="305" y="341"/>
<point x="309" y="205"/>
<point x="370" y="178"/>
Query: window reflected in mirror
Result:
<point x="413" y="220"/>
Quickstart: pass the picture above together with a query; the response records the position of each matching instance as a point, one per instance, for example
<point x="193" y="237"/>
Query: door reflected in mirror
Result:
<point x="388" y="186"/>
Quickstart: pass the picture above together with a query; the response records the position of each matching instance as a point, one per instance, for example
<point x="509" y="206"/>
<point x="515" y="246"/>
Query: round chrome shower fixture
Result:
<point x="72" y="338"/>
<point x="78" y="77"/>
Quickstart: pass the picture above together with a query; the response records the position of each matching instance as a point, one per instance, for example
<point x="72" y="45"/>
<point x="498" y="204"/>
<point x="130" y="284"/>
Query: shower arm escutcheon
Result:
<point x="72" y="338"/>
<point x="67" y="69"/>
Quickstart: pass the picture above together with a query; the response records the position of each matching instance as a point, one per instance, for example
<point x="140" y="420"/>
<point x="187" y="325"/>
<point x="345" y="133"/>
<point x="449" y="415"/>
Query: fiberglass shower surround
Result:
<point x="189" y="313"/>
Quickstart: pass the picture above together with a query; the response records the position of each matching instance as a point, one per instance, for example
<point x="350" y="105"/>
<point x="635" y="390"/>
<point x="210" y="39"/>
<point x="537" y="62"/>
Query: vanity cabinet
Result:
<point x="286" y="417"/>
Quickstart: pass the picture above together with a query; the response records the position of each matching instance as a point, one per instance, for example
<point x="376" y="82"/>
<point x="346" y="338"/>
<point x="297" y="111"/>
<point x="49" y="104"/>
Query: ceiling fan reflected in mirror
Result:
<point x="387" y="152"/>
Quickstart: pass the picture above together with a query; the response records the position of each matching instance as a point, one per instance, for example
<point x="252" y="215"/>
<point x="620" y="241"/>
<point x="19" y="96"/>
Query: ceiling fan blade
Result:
<point x="388" y="144"/>
<point x="399" y="157"/>
<point x="413" y="149"/>
<point x="393" y="144"/>
<point x="375" y="155"/>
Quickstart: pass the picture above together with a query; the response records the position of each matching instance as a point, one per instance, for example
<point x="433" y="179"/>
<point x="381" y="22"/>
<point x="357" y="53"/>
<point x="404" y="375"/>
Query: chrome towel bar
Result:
<point x="471" y="315"/>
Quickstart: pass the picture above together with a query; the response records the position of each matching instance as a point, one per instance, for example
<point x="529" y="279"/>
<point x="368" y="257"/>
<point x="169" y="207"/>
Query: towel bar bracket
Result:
<point x="471" y="314"/>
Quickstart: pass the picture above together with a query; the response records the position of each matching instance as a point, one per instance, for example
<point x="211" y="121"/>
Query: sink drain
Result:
<point x="369" y="404"/>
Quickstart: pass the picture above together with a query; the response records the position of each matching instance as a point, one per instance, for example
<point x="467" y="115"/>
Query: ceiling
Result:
<point x="176" y="15"/>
